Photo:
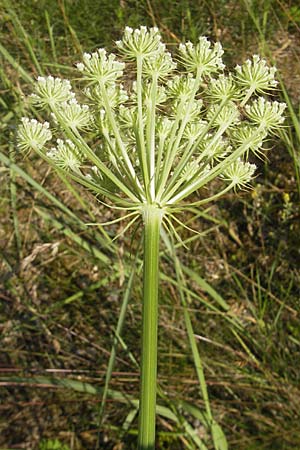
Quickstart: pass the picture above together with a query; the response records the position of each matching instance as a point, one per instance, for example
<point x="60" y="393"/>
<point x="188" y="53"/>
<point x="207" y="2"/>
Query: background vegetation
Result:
<point x="63" y="285"/>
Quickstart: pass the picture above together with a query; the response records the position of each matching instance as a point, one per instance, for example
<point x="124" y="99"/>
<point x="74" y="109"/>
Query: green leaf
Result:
<point x="219" y="438"/>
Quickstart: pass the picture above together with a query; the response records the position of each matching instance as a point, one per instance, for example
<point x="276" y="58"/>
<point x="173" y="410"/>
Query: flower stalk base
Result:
<point x="152" y="223"/>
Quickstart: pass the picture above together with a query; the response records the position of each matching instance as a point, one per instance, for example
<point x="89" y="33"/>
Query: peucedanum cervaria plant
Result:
<point x="146" y="130"/>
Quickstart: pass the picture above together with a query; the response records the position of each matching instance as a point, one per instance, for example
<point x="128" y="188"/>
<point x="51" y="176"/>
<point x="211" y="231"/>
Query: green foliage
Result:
<point x="52" y="444"/>
<point x="294" y="13"/>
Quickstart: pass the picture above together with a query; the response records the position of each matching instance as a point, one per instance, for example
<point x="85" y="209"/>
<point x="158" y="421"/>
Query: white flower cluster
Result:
<point x="33" y="134"/>
<point x="201" y="57"/>
<point x="166" y="135"/>
<point x="256" y="75"/>
<point x="239" y="173"/>
<point x="229" y="114"/>
<point x="223" y="88"/>
<point x="194" y="130"/>
<point x="268" y="115"/>
<point x="73" y="115"/>
<point x="248" y="133"/>
<point x="66" y="156"/>
<point x="50" y="92"/>
<point x="116" y="94"/>
<point x="181" y="87"/>
<point x="159" y="65"/>
<point x="140" y="42"/>
<point x="98" y="67"/>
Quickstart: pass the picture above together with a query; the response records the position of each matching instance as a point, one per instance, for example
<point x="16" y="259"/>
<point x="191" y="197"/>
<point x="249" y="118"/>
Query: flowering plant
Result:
<point x="148" y="144"/>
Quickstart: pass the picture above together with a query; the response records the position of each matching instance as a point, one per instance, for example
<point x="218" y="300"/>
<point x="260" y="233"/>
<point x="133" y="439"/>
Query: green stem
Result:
<point x="151" y="134"/>
<point x="124" y="153"/>
<point x="152" y="224"/>
<point x="177" y="135"/>
<point x="197" y="182"/>
<point x="140" y="122"/>
<point x="80" y="143"/>
<point x="190" y="151"/>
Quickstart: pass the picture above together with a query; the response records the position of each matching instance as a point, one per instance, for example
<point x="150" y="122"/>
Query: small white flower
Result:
<point x="181" y="87"/>
<point x="223" y="88"/>
<point x="33" y="134"/>
<point x="80" y="67"/>
<point x="246" y="132"/>
<point x="142" y="42"/>
<point x="101" y="67"/>
<point x="159" y="65"/>
<point x="50" y="92"/>
<point x="74" y="115"/>
<point x="268" y="115"/>
<point x="239" y="173"/>
<point x="256" y="75"/>
<point x="66" y="156"/>
<point x="95" y="174"/>
<point x="202" y="57"/>
<point x="229" y="114"/>
<point x="115" y="92"/>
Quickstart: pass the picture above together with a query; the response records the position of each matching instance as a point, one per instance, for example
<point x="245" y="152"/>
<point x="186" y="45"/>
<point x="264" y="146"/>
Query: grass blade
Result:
<point x="113" y="351"/>
<point x="9" y="58"/>
<point x="214" y="428"/>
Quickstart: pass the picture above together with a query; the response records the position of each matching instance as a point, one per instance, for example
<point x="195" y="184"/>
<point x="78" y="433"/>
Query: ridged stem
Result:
<point x="152" y="224"/>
